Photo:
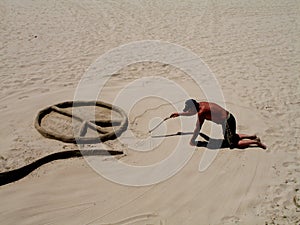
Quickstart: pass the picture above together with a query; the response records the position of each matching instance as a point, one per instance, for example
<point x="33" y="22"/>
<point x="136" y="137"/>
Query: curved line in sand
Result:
<point x="17" y="174"/>
<point x="81" y="139"/>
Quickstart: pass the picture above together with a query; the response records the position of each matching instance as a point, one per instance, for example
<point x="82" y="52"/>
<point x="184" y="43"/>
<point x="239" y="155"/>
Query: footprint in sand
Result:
<point x="230" y="220"/>
<point x="296" y="201"/>
<point x="3" y="107"/>
<point x="289" y="164"/>
<point x="22" y="97"/>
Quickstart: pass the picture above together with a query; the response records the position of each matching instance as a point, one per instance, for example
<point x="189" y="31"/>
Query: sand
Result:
<point x="253" y="50"/>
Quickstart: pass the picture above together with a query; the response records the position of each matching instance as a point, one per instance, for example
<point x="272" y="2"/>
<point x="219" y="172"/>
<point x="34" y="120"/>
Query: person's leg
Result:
<point x="246" y="136"/>
<point x="231" y="138"/>
<point x="248" y="143"/>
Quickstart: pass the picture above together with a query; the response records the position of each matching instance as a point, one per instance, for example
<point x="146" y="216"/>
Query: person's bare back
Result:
<point x="213" y="112"/>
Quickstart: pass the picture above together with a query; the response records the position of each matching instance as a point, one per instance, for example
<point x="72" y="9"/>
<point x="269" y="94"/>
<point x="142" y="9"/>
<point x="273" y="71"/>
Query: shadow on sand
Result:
<point x="17" y="174"/>
<point x="210" y="143"/>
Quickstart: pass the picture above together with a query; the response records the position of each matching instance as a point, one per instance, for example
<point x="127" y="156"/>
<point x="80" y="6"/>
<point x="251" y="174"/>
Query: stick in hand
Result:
<point x="159" y="124"/>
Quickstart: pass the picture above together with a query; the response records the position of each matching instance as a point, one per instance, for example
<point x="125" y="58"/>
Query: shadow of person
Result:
<point x="210" y="143"/>
<point x="17" y="174"/>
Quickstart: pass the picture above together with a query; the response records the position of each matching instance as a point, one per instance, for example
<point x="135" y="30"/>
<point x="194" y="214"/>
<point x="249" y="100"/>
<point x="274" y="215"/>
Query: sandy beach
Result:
<point x="251" y="48"/>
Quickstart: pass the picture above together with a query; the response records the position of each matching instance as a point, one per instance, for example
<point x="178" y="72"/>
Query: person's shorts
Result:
<point x="229" y="128"/>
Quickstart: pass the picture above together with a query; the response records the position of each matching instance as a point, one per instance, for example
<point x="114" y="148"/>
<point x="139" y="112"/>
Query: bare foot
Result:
<point x="260" y="144"/>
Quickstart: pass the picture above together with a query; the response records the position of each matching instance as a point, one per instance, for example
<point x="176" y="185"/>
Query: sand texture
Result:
<point x="251" y="47"/>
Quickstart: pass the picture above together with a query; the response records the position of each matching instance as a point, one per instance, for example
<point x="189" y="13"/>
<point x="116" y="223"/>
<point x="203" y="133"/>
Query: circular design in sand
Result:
<point x="99" y="73"/>
<point x="93" y="122"/>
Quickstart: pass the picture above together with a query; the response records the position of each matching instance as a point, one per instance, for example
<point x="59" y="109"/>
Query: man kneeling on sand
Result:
<point x="215" y="113"/>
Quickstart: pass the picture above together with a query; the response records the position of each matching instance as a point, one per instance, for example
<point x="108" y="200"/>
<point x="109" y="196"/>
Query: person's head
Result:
<point x="192" y="106"/>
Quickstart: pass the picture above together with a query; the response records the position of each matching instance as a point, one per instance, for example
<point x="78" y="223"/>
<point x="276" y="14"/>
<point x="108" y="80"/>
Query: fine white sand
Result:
<point x="252" y="48"/>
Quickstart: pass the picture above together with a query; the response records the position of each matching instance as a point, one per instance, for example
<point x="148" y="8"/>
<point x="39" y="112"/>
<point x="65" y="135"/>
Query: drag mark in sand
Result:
<point x="17" y="174"/>
<point x="152" y="109"/>
<point x="121" y="206"/>
<point x="93" y="124"/>
<point x="134" y="219"/>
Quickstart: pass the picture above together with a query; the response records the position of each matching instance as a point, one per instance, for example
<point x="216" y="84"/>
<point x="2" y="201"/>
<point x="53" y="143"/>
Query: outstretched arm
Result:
<point x="173" y="115"/>
<point x="196" y="132"/>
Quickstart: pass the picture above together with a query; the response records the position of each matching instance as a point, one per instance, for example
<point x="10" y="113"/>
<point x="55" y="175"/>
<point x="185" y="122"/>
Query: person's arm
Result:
<point x="187" y="113"/>
<point x="173" y="115"/>
<point x="196" y="131"/>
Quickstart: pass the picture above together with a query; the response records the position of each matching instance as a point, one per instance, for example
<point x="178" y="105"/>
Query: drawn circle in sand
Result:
<point x="99" y="73"/>
<point x="92" y="122"/>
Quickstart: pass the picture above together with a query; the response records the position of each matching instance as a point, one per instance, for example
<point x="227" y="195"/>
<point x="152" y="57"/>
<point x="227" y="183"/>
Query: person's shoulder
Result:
<point x="204" y="105"/>
<point x="202" y="110"/>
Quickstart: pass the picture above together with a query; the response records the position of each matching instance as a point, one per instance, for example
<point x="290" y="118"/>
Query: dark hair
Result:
<point x="191" y="103"/>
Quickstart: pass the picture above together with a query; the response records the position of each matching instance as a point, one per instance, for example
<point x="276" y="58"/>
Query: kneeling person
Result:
<point x="215" y="113"/>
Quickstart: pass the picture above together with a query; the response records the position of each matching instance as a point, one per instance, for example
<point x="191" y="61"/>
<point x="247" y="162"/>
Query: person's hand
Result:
<point x="193" y="143"/>
<point x="173" y="115"/>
